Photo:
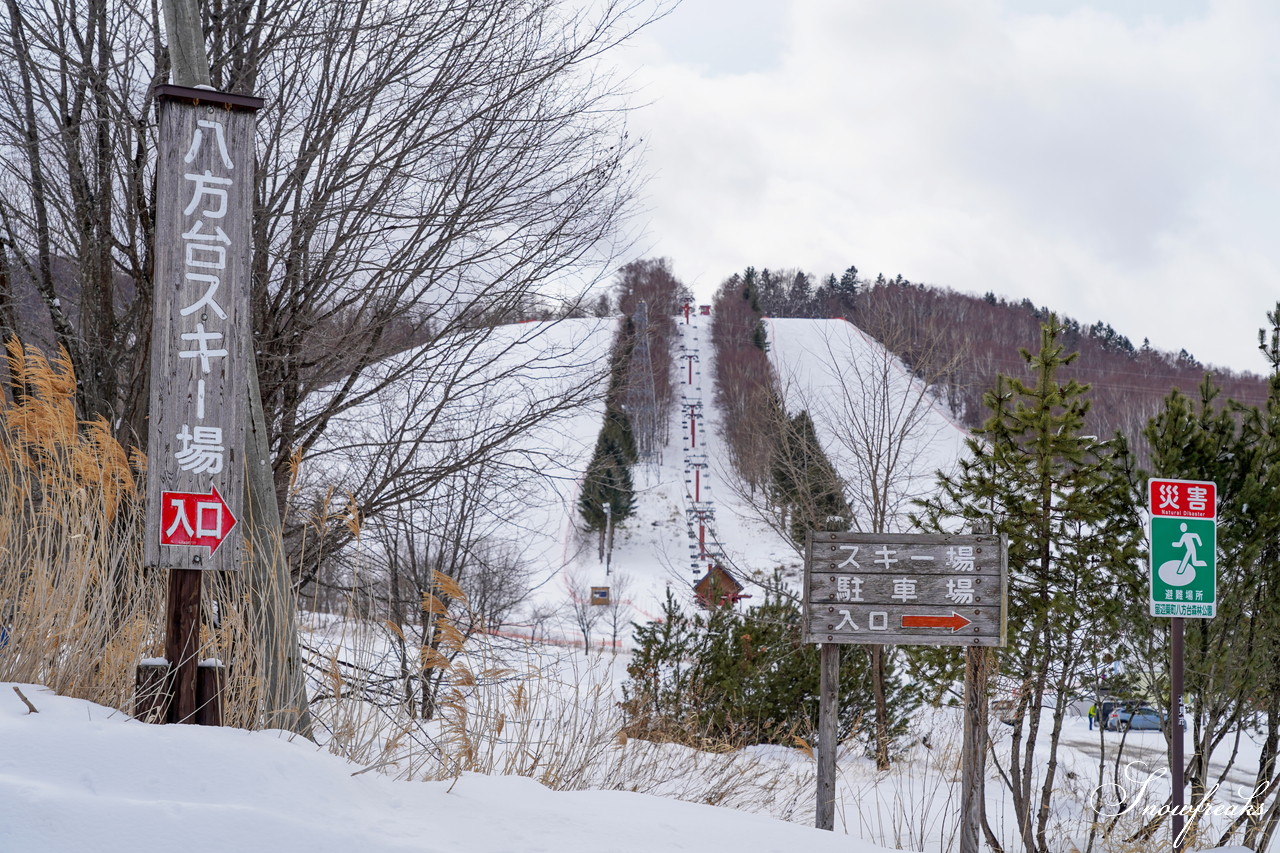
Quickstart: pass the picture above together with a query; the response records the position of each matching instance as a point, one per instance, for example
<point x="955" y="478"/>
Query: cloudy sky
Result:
<point x="1114" y="159"/>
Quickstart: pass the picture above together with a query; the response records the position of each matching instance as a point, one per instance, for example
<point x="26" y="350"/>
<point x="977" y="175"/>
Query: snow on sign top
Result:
<point x="1183" y="498"/>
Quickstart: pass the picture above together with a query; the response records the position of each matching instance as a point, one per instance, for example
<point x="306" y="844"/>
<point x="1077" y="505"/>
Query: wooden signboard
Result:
<point x="201" y="331"/>
<point x="905" y="589"/>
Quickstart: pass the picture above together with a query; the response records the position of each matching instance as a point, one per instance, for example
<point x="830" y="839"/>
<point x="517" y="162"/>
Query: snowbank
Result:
<point x="78" y="776"/>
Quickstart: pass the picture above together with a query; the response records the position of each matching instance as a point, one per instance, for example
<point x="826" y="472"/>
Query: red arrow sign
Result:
<point x="187" y="518"/>
<point x="955" y="621"/>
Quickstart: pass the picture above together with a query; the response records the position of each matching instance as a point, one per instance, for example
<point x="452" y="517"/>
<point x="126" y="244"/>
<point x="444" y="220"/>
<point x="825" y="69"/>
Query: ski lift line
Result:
<point x="708" y="551"/>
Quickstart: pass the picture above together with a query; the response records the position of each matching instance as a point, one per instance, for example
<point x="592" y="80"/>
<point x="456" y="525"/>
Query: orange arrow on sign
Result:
<point x="955" y="621"/>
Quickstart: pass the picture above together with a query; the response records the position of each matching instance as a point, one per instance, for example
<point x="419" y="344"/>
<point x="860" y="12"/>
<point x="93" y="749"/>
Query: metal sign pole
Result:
<point x="1183" y="532"/>
<point x="1177" y="726"/>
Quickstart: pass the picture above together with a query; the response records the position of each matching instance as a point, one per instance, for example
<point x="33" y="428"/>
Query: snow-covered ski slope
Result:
<point x="690" y="510"/>
<point x="875" y="419"/>
<point x="408" y="431"/>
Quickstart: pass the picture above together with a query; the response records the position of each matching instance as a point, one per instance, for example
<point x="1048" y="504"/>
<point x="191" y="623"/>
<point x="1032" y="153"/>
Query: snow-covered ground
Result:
<point x="80" y="777"/>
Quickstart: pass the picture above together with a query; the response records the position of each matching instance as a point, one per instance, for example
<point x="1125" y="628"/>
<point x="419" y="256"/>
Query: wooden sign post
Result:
<point x="905" y="589"/>
<point x="200" y="347"/>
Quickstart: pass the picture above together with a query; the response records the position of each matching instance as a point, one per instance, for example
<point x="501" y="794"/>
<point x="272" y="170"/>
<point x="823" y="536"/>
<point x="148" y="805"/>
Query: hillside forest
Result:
<point x="1070" y="497"/>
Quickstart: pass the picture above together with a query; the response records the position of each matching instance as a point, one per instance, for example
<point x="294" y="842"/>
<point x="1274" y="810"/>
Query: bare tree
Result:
<point x="648" y="294"/>
<point x="404" y="196"/>
<point x="888" y="437"/>
<point x="423" y="174"/>
<point x="582" y="609"/>
<point x="487" y="419"/>
<point x="882" y="434"/>
<point x="618" y="610"/>
<point x="885" y="431"/>
<point x="745" y="385"/>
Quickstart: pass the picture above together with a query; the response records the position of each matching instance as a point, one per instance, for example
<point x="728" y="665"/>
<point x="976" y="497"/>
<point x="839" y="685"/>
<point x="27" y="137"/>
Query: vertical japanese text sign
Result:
<point x="1183" y="532"/>
<point x="201" y="329"/>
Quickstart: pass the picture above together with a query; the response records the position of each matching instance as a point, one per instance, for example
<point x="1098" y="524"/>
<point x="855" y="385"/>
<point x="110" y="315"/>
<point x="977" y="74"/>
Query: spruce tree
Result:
<point x="744" y="677"/>
<point x="1067" y="507"/>
<point x="847" y="288"/>
<point x="1202" y="440"/>
<point x="805" y="482"/>
<point x="608" y="482"/>
<point x="608" y="492"/>
<point x="1263" y="430"/>
<point x="1232" y="662"/>
<point x="800" y="295"/>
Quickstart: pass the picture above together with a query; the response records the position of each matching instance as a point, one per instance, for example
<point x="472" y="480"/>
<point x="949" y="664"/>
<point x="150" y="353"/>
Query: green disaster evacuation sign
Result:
<point x="1183" y="576"/>
<point x="1183" y="545"/>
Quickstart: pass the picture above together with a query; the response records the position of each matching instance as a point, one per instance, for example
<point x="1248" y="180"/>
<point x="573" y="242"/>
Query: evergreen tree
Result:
<point x="806" y="483"/>
<point x="847" y="288"/>
<point x="750" y="289"/>
<point x="800" y="295"/>
<point x="759" y="336"/>
<point x="608" y="493"/>
<point x="750" y="283"/>
<point x="1067" y="506"/>
<point x="1262" y="431"/>
<point x="824" y="297"/>
<point x="772" y="296"/>
<point x="619" y="434"/>
<point x="1232" y="662"/>
<point x="1200" y="440"/>
<point x="608" y="481"/>
<point x="742" y="678"/>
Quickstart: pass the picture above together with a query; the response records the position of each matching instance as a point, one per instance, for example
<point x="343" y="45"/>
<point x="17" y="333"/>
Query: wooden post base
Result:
<point x="210" y="677"/>
<point x="154" y="688"/>
<point x="152" y="697"/>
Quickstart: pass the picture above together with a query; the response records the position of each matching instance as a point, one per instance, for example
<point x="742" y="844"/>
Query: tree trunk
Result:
<point x="1051" y="769"/>
<point x="271" y="593"/>
<point x="882" y="708"/>
<point x="402" y="648"/>
<point x="1266" y="768"/>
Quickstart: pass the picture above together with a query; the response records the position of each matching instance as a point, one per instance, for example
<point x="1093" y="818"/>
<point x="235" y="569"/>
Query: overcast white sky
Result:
<point x="1112" y="160"/>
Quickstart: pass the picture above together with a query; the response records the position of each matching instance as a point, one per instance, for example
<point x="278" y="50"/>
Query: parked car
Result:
<point x="1143" y="718"/>
<point x="1104" y="709"/>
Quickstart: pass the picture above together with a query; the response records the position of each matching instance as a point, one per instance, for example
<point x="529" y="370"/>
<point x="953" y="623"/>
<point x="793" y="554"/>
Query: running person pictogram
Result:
<point x="1183" y="571"/>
